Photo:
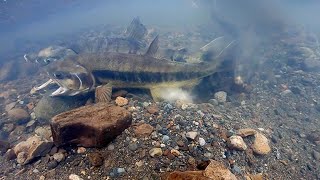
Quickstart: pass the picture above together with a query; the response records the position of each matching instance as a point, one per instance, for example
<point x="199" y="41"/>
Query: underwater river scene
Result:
<point x="170" y="89"/>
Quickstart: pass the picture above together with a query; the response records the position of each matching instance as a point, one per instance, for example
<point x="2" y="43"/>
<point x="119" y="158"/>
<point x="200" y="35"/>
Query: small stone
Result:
<point x="261" y="144"/>
<point x="110" y="147"/>
<point x="35" y="171"/>
<point x="53" y="150"/>
<point x="31" y="123"/>
<point x="22" y="157"/>
<point x="316" y="155"/>
<point x="214" y="102"/>
<point x="191" y="135"/>
<point x="133" y="146"/>
<point x="18" y="115"/>
<point x="236" y="142"/>
<point x="143" y="130"/>
<point x="216" y="170"/>
<point x="81" y="150"/>
<point x="121" y="101"/>
<point x="153" y="109"/>
<point x="52" y="164"/>
<point x="220" y="96"/>
<point x="74" y="177"/>
<point x="44" y="132"/>
<point x="202" y="142"/>
<point x="58" y="157"/>
<point x="208" y="155"/>
<point x="121" y="170"/>
<point x="96" y="159"/>
<point x="246" y="132"/>
<point x="180" y="143"/>
<point x="42" y="177"/>
<point x="165" y="138"/>
<point x="175" y="152"/>
<point x="155" y="152"/>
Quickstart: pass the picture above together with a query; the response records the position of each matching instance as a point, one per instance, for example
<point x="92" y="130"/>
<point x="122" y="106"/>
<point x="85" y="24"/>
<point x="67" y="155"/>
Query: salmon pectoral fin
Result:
<point x="103" y="93"/>
<point x="159" y="92"/>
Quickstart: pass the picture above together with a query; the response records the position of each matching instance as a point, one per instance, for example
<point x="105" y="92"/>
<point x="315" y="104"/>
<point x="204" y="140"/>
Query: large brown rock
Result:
<point x="90" y="126"/>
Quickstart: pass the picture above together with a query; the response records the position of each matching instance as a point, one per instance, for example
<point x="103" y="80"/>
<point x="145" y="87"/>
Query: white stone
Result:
<point x="236" y="142"/>
<point x="202" y="142"/>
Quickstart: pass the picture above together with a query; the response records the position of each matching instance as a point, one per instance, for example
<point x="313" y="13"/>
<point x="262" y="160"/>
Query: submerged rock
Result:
<point x="48" y="106"/>
<point x="90" y="126"/>
<point x="18" y="115"/>
<point x="236" y="142"/>
<point x="261" y="144"/>
<point x="220" y="96"/>
<point x="31" y="148"/>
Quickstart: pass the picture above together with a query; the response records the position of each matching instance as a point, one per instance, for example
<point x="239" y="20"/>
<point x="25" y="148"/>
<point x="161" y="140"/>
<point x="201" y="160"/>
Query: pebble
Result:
<point x="261" y="144"/>
<point x="236" y="142"/>
<point x="42" y="177"/>
<point x="191" y="135"/>
<point x="220" y="96"/>
<point x="21" y="157"/>
<point x="143" y="130"/>
<point x="121" y="170"/>
<point x="153" y="109"/>
<point x="81" y="150"/>
<point x="316" y="155"/>
<point x="165" y="138"/>
<point x="133" y="146"/>
<point x="35" y="171"/>
<point x="155" y="152"/>
<point x="202" y="142"/>
<point x="121" y="101"/>
<point x="74" y="177"/>
<point x="236" y="169"/>
<point x="175" y="152"/>
<point x="58" y="157"/>
<point x="96" y="159"/>
<point x="110" y="147"/>
<point x="208" y="155"/>
<point x="52" y="164"/>
<point x="214" y="102"/>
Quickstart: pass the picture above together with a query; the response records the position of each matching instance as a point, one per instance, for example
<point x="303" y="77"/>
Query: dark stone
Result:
<point x="90" y="126"/>
<point x="52" y="164"/>
<point x="4" y="146"/>
<point x="96" y="159"/>
<point x="48" y="106"/>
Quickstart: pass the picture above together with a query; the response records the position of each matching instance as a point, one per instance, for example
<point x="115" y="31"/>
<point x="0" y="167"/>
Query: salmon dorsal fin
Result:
<point x="136" y="30"/>
<point x="153" y="48"/>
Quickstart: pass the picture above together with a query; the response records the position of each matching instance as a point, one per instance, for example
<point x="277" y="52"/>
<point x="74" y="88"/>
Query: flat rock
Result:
<point x="31" y="148"/>
<point x="246" y="132"/>
<point x="19" y="115"/>
<point x="236" y="142"/>
<point x="261" y="144"/>
<point x="216" y="170"/>
<point x="143" y="130"/>
<point x="90" y="126"/>
<point x="48" y="106"/>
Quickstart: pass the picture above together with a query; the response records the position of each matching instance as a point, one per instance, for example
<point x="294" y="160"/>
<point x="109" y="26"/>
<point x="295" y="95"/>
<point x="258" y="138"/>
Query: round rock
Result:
<point x="236" y="142"/>
<point x="18" y="115"/>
